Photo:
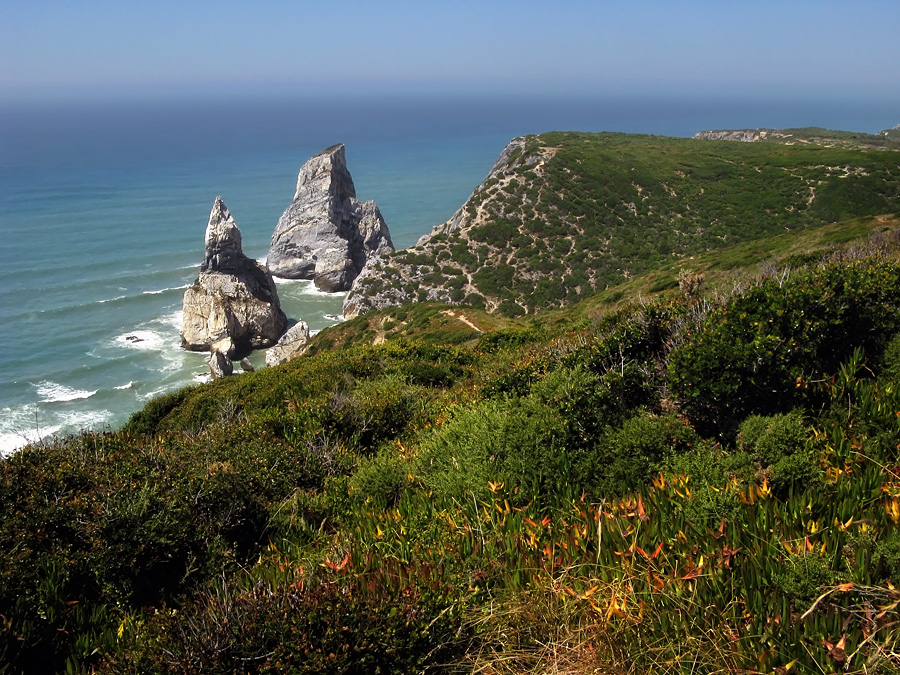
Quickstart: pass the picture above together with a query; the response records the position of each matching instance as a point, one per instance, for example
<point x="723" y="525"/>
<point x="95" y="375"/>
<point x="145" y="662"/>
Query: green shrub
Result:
<point x="129" y="522"/>
<point x="510" y="309"/>
<point x="750" y="355"/>
<point x="714" y="479"/>
<point x="627" y="457"/>
<point x="146" y="420"/>
<point x="770" y="439"/>
<point x="515" y="441"/>
<point x="382" y="478"/>
<point x="802" y="577"/>
<point x="886" y="557"/>
<point x="371" y="413"/>
<point x="779" y="443"/>
<point x="891" y="360"/>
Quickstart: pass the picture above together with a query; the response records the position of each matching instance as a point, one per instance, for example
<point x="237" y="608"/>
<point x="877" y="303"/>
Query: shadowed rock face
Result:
<point x="233" y="297"/>
<point x="325" y="234"/>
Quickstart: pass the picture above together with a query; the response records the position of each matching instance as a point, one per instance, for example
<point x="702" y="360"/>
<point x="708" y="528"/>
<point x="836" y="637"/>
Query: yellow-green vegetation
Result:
<point x="567" y="215"/>
<point x="688" y="461"/>
<point x="716" y="271"/>
<point x="693" y="483"/>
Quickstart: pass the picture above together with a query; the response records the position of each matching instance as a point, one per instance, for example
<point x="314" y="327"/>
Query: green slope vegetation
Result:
<point x="719" y="271"/>
<point x="697" y="482"/>
<point x="564" y="215"/>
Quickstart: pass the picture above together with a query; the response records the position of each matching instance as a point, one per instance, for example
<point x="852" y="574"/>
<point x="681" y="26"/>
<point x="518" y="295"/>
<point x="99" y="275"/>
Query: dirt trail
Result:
<point x="452" y="314"/>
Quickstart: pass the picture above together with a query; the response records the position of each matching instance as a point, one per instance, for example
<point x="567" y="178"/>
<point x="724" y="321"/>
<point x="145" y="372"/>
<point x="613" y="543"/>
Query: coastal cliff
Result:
<point x="564" y="215"/>
<point x="325" y="234"/>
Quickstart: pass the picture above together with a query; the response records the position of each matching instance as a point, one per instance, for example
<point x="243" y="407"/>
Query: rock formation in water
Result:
<point x="234" y="297"/>
<point x="292" y="344"/>
<point x="325" y="234"/>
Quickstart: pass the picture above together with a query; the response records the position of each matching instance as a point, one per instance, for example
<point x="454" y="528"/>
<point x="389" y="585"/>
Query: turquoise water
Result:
<point x="103" y="210"/>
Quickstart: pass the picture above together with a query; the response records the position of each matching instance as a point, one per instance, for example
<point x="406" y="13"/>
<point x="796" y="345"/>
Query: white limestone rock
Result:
<point x="234" y="296"/>
<point x="291" y="345"/>
<point x="325" y="234"/>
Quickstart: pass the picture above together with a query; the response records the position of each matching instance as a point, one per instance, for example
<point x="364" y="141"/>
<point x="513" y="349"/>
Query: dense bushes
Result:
<point x="758" y="353"/>
<point x="641" y="473"/>
<point x="305" y="627"/>
<point x="107" y="523"/>
<point x="779" y="443"/>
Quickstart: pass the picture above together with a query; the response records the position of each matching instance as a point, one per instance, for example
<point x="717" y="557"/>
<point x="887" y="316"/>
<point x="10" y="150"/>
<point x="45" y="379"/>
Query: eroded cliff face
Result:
<point x="234" y="297"/>
<point x="392" y="282"/>
<point x="887" y="139"/>
<point x="325" y="234"/>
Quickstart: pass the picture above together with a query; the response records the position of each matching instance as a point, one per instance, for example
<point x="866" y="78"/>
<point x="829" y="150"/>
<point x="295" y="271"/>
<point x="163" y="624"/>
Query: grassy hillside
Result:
<point x="717" y="271"/>
<point x="694" y="482"/>
<point x="565" y="215"/>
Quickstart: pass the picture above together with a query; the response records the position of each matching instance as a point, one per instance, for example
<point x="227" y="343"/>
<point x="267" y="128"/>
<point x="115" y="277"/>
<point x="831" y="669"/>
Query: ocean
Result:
<point x="103" y="208"/>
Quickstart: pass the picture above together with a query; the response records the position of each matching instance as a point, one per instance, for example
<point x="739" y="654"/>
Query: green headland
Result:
<point x="635" y="409"/>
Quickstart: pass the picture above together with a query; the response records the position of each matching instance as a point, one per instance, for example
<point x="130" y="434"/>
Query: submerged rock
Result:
<point x="325" y="234"/>
<point x="291" y="344"/>
<point x="234" y="297"/>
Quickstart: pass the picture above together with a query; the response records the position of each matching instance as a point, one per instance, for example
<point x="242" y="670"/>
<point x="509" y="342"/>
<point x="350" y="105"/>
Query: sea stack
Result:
<point x="325" y="234"/>
<point x="233" y="304"/>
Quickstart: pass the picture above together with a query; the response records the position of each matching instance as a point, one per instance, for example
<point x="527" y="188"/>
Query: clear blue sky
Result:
<point x="126" y="48"/>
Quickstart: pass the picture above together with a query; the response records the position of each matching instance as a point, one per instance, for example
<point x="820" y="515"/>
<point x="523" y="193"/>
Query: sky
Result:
<point x="62" y="49"/>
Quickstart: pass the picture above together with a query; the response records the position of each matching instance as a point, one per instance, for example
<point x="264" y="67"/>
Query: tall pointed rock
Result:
<point x="325" y="234"/>
<point x="234" y="296"/>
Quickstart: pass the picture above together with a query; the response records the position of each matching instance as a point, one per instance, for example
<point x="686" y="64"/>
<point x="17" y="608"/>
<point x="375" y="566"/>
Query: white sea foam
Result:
<point x="115" y="299"/>
<point x="284" y="282"/>
<point x="308" y="287"/>
<point x="82" y="420"/>
<point x="21" y="426"/>
<point x="142" y="339"/>
<point x="160" y="334"/>
<point x="27" y="425"/>
<point x="312" y="290"/>
<point x="70" y="423"/>
<point x="128" y="385"/>
<point x="10" y="442"/>
<point x="164" y="290"/>
<point x="53" y="392"/>
<point x="175" y="320"/>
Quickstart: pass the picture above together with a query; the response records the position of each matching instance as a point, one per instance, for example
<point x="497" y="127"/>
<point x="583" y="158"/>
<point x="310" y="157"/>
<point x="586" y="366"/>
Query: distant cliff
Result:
<point x="889" y="139"/>
<point x="563" y="215"/>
